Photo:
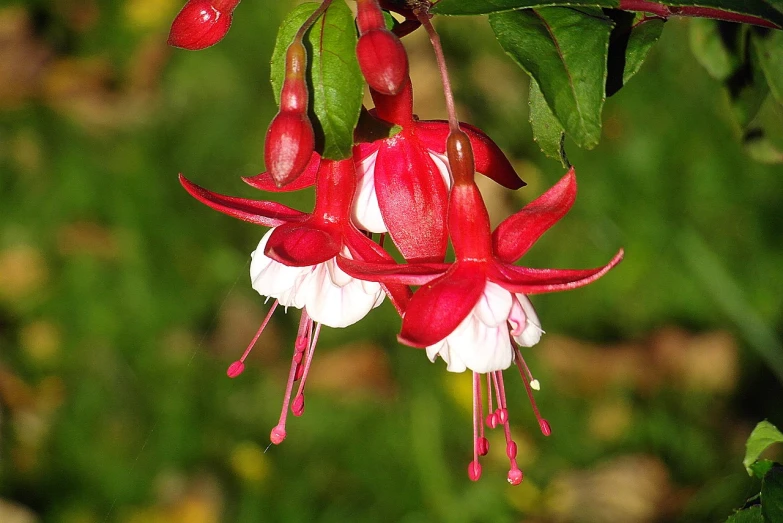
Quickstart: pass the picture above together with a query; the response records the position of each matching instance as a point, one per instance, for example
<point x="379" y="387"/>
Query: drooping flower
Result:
<point x="295" y="264"/>
<point x="474" y="313"/>
<point x="201" y="23"/>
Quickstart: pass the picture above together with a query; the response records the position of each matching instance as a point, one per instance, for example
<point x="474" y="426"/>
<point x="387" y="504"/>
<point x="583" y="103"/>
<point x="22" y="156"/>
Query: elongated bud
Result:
<point x="460" y="155"/>
<point x="201" y="23"/>
<point x="290" y="140"/>
<point x="381" y="55"/>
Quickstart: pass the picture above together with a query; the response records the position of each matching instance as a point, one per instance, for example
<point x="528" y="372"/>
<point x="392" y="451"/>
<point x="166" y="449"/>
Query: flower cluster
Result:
<point x="415" y="184"/>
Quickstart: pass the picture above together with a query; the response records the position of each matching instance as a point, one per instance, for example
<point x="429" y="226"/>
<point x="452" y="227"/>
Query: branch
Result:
<point x="646" y="6"/>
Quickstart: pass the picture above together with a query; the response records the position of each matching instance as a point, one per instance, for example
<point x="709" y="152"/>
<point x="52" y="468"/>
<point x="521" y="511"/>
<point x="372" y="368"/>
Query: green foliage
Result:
<point x="766" y="507"/>
<point x="334" y="79"/>
<point x="564" y="50"/>
<point x="764" y="435"/>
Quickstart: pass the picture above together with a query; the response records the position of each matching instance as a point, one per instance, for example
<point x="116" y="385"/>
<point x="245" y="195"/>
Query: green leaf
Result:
<point x="632" y="38"/>
<point x="480" y="7"/>
<point x="768" y="51"/>
<point x="761" y="467"/>
<point x="772" y="494"/>
<point x="334" y="79"/>
<point x="547" y="131"/>
<point x="749" y="515"/>
<point x="763" y="138"/>
<point x="714" y="48"/>
<point x="565" y="51"/>
<point x="764" y="435"/>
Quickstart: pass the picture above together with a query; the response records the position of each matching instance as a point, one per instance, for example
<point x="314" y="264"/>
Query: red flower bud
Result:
<point x="369" y="16"/>
<point x="201" y="23"/>
<point x="289" y="145"/>
<point x="383" y="61"/>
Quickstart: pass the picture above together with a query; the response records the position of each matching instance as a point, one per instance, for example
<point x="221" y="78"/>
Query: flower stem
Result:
<point x="664" y="11"/>
<point x="423" y="16"/>
<point x="311" y="19"/>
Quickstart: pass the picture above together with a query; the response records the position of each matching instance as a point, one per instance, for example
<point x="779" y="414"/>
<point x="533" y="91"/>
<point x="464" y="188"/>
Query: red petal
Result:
<point x="517" y="233"/>
<point x="437" y="308"/>
<point x="490" y="160"/>
<point x="264" y="182"/>
<point x="300" y="245"/>
<point x="269" y="214"/>
<point x="413" y="199"/>
<point x="538" y="281"/>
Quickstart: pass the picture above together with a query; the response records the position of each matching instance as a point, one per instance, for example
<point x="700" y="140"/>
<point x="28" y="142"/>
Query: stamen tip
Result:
<point x="515" y="476"/>
<point x="535" y="384"/>
<point x="298" y="405"/>
<point x="277" y="435"/>
<point x="546" y="430"/>
<point x="474" y="470"/>
<point x="483" y="446"/>
<point x="492" y="420"/>
<point x="235" y="369"/>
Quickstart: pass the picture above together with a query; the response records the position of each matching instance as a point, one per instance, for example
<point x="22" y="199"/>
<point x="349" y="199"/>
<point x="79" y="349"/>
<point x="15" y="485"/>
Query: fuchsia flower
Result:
<point x="295" y="263"/>
<point x="474" y="313"/>
<point x="201" y="23"/>
<point x="404" y="180"/>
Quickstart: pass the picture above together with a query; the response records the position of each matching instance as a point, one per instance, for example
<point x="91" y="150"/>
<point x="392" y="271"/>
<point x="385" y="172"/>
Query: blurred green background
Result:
<point x="122" y="300"/>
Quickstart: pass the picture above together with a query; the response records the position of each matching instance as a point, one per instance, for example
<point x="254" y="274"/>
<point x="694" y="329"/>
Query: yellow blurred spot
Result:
<point x="22" y="271"/>
<point x="249" y="462"/>
<point x="193" y="509"/>
<point x="40" y="340"/>
<point x="524" y="497"/>
<point x="460" y="387"/>
<point x="150" y="14"/>
<point x="610" y="420"/>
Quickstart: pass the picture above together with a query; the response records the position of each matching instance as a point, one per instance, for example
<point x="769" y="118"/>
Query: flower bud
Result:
<point x="289" y="145"/>
<point x="383" y="61"/>
<point x="460" y="154"/>
<point x="201" y="23"/>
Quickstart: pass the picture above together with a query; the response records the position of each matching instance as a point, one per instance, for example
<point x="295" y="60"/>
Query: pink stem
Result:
<point x="664" y="11"/>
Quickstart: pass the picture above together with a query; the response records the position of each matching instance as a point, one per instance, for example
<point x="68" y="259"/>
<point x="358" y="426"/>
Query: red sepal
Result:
<point x="269" y="214"/>
<point x="517" y="233"/>
<point x="264" y="181"/>
<point x="300" y="245"/>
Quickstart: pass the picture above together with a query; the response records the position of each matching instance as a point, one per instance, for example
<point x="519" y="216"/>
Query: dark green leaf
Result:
<point x="565" y="51"/>
<point x="769" y="10"/>
<point x="334" y="79"/>
<point x="480" y="7"/>
<point x="772" y="494"/>
<point x="764" y="435"/>
<point x="761" y="467"/>
<point x="547" y="131"/>
<point x="629" y="43"/>
<point x="749" y="515"/>
<point x="715" y="47"/>
<point x="768" y="52"/>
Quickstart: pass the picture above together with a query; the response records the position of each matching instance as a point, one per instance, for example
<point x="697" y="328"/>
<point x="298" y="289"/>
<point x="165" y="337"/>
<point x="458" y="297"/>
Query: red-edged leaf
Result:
<point x="269" y="214"/>
<point x="437" y="308"/>
<point x="517" y="233"/>
<point x="490" y="160"/>
<point x="365" y="250"/>
<point x="300" y="245"/>
<point x="264" y="181"/>
<point x="539" y="281"/>
<point x="412" y="197"/>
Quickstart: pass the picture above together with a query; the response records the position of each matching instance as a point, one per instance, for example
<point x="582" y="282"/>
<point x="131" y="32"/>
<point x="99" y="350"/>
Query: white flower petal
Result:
<point x="442" y="163"/>
<point x="531" y="333"/>
<point x="272" y="278"/>
<point x="366" y="212"/>
<point x="494" y="306"/>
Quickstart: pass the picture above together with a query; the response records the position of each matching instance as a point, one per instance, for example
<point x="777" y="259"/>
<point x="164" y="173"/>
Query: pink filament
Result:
<point x="238" y="367"/>
<point x="302" y="338"/>
<point x="546" y="430"/>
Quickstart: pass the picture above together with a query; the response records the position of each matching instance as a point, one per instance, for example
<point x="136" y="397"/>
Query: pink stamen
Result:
<point x="492" y="419"/>
<point x="278" y="433"/>
<point x="483" y="446"/>
<point x="514" y="474"/>
<point x="477" y="446"/>
<point x="238" y="367"/>
<point x="298" y="406"/>
<point x="381" y="239"/>
<point x="546" y="430"/>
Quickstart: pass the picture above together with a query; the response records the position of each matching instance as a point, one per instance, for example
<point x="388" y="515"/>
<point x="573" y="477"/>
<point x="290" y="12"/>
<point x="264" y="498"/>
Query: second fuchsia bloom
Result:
<point x="201" y="23"/>
<point x="474" y="313"/>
